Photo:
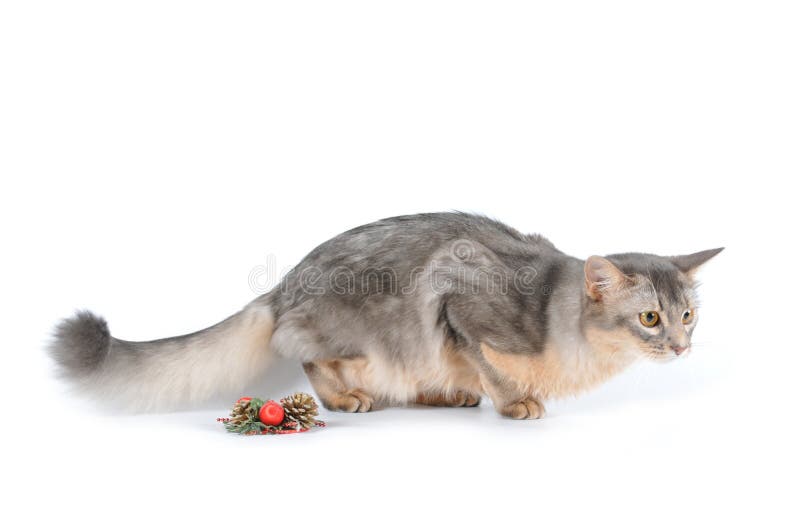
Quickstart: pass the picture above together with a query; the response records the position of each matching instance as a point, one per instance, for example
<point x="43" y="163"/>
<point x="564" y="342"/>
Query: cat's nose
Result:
<point x="679" y="349"/>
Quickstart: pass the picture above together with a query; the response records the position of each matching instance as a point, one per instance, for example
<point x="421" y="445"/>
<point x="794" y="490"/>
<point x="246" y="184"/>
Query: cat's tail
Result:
<point x="168" y="373"/>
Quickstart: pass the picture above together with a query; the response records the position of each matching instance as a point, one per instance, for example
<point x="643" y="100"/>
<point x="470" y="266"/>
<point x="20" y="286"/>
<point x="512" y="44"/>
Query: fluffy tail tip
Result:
<point x="80" y="343"/>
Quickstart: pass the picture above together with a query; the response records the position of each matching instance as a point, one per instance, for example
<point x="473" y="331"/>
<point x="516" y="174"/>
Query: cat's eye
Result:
<point x="687" y="316"/>
<point x="649" y="318"/>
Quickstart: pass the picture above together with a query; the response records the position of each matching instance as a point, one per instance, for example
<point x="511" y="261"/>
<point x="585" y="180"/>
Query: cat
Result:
<point x="436" y="309"/>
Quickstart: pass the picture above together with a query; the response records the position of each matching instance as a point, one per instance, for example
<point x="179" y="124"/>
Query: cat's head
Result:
<point x="643" y="305"/>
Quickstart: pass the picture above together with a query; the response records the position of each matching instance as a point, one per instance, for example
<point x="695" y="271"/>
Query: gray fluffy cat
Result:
<point x="437" y="309"/>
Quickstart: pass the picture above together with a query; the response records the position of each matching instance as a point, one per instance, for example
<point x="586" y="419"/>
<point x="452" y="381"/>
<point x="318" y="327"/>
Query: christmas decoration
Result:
<point x="300" y="408"/>
<point x="271" y="413"/>
<point x="251" y="415"/>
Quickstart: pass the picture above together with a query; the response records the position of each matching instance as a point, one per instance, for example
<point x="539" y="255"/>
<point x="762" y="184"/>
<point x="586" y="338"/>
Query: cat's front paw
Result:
<point x="528" y="408"/>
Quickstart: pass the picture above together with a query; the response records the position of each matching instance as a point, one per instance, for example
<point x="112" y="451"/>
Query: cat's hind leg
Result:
<point x="456" y="383"/>
<point x="336" y="378"/>
<point x="454" y="399"/>
<point x="329" y="382"/>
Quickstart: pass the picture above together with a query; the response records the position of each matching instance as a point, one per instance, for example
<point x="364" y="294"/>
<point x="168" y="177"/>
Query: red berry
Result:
<point x="244" y="399"/>
<point x="271" y="413"/>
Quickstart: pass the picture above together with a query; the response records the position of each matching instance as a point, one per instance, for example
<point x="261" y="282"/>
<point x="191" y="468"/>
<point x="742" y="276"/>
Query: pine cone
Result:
<point x="239" y="414"/>
<point x="244" y="416"/>
<point x="300" y="408"/>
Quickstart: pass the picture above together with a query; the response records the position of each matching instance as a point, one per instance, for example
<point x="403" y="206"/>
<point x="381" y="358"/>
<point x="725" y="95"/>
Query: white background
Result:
<point x="154" y="153"/>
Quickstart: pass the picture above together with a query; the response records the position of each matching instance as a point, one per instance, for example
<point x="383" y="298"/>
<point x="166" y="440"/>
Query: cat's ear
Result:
<point x="602" y="277"/>
<point x="689" y="264"/>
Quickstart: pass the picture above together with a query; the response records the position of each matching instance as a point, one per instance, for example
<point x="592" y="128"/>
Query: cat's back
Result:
<point x="410" y="241"/>
<point x="383" y="259"/>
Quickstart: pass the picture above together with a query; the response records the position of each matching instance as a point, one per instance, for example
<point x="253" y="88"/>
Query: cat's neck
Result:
<point x="587" y="364"/>
<point x="579" y="358"/>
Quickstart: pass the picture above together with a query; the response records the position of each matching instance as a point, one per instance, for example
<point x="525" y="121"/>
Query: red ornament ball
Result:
<point x="271" y="413"/>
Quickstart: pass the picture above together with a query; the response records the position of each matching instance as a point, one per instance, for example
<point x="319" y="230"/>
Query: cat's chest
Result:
<point x="557" y="373"/>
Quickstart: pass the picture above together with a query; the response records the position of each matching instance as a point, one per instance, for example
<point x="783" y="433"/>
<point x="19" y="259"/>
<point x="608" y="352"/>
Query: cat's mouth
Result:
<point x="665" y="355"/>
